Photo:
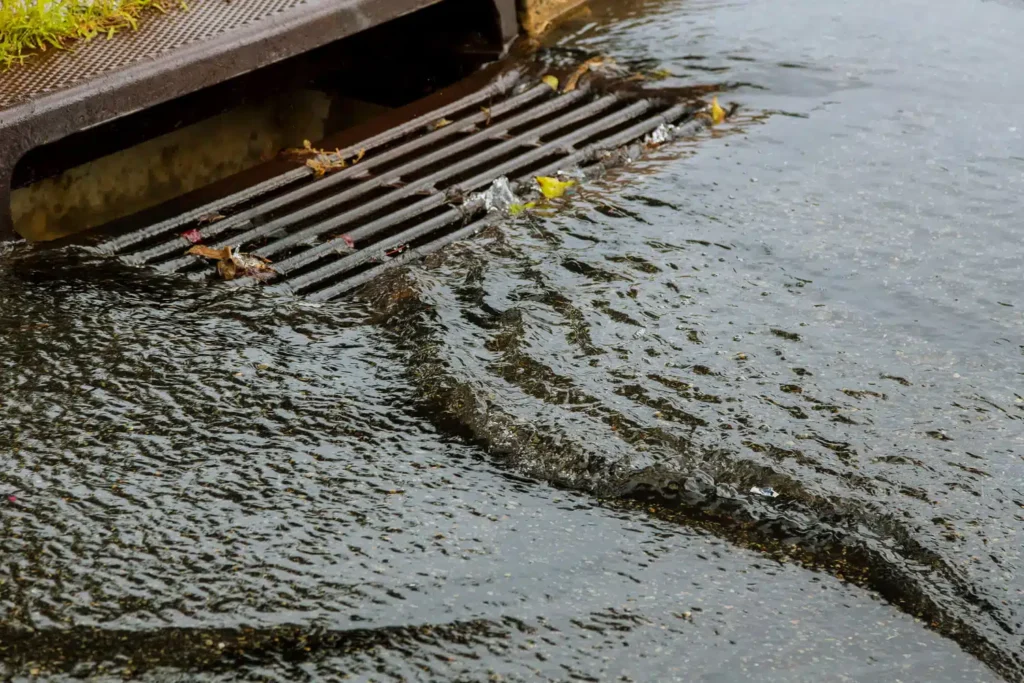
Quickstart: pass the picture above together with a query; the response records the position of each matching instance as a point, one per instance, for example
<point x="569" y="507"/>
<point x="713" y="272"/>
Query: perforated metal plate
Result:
<point x="204" y="21"/>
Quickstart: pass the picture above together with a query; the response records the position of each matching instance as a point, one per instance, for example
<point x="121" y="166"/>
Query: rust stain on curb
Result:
<point x="537" y="16"/>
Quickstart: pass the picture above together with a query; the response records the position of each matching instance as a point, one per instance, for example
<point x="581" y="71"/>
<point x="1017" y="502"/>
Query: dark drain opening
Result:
<point x="416" y="188"/>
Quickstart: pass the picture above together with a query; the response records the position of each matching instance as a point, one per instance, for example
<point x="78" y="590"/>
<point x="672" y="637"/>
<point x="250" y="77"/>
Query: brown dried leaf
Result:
<point x="324" y="164"/>
<point x="209" y="252"/>
<point x="210" y="218"/>
<point x="227" y="269"/>
<point x="232" y="265"/>
<point x="583" y="68"/>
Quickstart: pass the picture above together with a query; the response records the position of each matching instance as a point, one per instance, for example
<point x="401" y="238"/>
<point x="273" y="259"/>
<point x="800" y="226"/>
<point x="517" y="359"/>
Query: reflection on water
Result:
<point x="533" y="455"/>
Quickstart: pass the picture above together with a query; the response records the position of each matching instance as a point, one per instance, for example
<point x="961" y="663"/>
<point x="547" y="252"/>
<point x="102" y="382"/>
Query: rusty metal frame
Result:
<point x="138" y="85"/>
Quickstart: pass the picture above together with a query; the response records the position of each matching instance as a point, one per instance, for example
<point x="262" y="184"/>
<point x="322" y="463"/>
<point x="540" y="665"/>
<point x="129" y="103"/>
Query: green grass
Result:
<point x="28" y="27"/>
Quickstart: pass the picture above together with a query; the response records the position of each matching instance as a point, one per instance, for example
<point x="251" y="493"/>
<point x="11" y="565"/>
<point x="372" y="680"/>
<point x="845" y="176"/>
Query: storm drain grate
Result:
<point x="411" y="193"/>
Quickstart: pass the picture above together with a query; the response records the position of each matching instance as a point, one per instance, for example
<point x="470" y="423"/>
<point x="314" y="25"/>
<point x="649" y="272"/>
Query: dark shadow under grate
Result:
<point x="411" y="193"/>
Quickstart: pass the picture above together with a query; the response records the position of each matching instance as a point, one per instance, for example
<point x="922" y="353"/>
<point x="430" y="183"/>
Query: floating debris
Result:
<point x="717" y="113"/>
<point x="306" y="150"/>
<point x="440" y="123"/>
<point x="323" y="161"/>
<point x="232" y="265"/>
<point x="208" y="218"/>
<point x="552" y="188"/>
<point x="193" y="236"/>
<point x="766" y="491"/>
<point x="499" y="196"/>
<point x="660" y="135"/>
<point x="667" y="132"/>
<point x="551" y="81"/>
<point x="583" y="68"/>
<point x="210" y="252"/>
<point x="516" y="209"/>
<point x="323" y="165"/>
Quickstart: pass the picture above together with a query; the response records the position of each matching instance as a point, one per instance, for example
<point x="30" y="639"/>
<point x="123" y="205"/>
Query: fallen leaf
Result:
<point x="210" y="218"/>
<point x="551" y="81"/>
<point x="306" y="150"/>
<point x="193" y="236"/>
<point x="325" y="163"/>
<point x="717" y="113"/>
<point x="583" y="68"/>
<point x="552" y="188"/>
<point x="359" y="156"/>
<point x="251" y="265"/>
<point x="210" y="252"/>
<point x="440" y="123"/>
<point x="487" y="113"/>
<point x="227" y="269"/>
<point x="232" y="265"/>
<point x="516" y="209"/>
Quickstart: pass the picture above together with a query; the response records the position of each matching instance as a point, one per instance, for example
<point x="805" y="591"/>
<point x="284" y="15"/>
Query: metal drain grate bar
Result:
<point x="391" y="178"/>
<point x="355" y="172"/>
<point x="359" y="258"/>
<point x="437" y="199"/>
<point x="501" y="86"/>
<point x="411" y="195"/>
<point x="563" y="145"/>
<point x="426" y="184"/>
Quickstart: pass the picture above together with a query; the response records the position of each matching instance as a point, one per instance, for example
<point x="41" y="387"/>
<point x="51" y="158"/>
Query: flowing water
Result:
<point x="532" y="456"/>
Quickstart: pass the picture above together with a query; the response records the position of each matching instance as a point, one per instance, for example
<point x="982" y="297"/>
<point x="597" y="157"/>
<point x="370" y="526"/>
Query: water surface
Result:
<point x="531" y="457"/>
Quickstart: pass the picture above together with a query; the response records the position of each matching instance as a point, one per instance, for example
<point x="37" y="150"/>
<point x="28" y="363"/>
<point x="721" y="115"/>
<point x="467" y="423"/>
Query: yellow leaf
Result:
<point x="307" y="144"/>
<point x="553" y="187"/>
<point x="717" y="113"/>
<point x="516" y="209"/>
<point x="440" y="123"/>
<point x="551" y="81"/>
<point x="110" y="32"/>
<point x="359" y="156"/>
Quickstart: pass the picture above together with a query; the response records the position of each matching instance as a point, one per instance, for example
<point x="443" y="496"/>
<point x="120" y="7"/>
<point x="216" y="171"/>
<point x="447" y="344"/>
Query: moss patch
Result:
<point x="31" y="26"/>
